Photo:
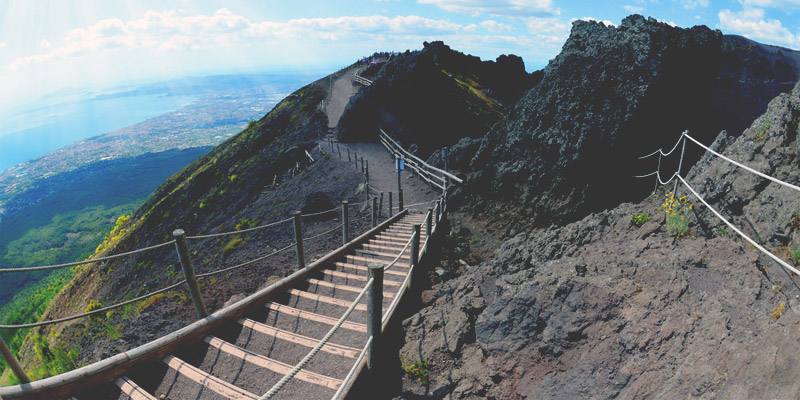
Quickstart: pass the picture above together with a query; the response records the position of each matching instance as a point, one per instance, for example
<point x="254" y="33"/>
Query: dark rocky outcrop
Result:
<point x="435" y="96"/>
<point x="603" y="308"/>
<point x="569" y="146"/>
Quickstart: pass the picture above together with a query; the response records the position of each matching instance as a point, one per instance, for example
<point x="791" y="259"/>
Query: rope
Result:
<point x="320" y="213"/>
<point x="93" y="312"/>
<point x="660" y="149"/>
<point x="213" y="235"/>
<point x="278" y="386"/>
<point x="745" y="237"/>
<point x="323" y="233"/>
<point x="351" y="374"/>
<point x="745" y="167"/>
<point x="92" y="260"/>
<point x="392" y="264"/>
<point x="237" y="266"/>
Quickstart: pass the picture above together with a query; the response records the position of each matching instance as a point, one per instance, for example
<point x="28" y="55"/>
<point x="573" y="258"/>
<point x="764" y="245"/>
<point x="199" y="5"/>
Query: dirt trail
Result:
<point x="383" y="176"/>
<point x="342" y="89"/>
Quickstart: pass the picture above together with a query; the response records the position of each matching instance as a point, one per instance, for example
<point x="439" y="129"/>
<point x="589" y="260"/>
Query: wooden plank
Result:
<point x="363" y="278"/>
<point x="272" y="365"/>
<point x="346" y="288"/>
<point x="380" y="247"/>
<point x="363" y="268"/>
<point x="332" y="348"/>
<point x="132" y="390"/>
<point x="208" y="381"/>
<point x="326" y="299"/>
<point x="390" y="256"/>
<point x="308" y="315"/>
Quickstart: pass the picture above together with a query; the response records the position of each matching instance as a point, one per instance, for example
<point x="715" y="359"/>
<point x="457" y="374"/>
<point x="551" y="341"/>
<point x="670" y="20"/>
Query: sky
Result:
<point x="47" y="46"/>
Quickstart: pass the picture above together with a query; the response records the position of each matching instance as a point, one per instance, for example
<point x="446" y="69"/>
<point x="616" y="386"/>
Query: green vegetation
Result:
<point x="677" y="211"/>
<point x="721" y="231"/>
<point x="640" y="219"/>
<point x="232" y="244"/>
<point x="778" y="311"/>
<point x="762" y="131"/>
<point x="795" y="254"/>
<point x="419" y="370"/>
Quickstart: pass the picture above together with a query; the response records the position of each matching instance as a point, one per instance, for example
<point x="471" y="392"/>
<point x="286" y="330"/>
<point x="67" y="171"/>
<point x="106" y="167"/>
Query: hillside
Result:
<point x="435" y="96"/>
<point x="258" y="176"/>
<point x="569" y="146"/>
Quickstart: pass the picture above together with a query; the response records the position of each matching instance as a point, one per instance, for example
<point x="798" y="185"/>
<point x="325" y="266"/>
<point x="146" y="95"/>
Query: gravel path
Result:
<point x="343" y="89"/>
<point x="383" y="176"/>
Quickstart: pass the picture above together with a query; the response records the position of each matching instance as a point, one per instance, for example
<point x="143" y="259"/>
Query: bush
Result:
<point x="778" y="311"/>
<point x="232" y="244"/>
<point x="677" y="211"/>
<point x="419" y="371"/>
<point x="640" y="219"/>
<point x="795" y="253"/>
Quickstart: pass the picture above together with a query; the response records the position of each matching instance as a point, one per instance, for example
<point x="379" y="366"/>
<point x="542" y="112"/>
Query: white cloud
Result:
<point x="752" y="23"/>
<point x="632" y="9"/>
<point x="171" y="31"/>
<point x="548" y="31"/>
<point x="496" y="7"/>
<point x="605" y="22"/>
<point x="692" y="4"/>
<point x="771" y="3"/>
<point x="3" y="44"/>
<point x="494" y="26"/>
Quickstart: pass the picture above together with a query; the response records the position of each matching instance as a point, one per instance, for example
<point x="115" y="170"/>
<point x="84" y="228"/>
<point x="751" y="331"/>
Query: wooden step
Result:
<point x="394" y="239"/>
<point x="354" y="267"/>
<point x="346" y="288"/>
<point x="389" y="256"/>
<point x="270" y="364"/>
<point x="387" y="243"/>
<point x="338" y="349"/>
<point x="296" y="312"/>
<point x="379" y="247"/>
<point x="325" y="299"/>
<point x="362" y="278"/>
<point x="209" y="382"/>
<point x="132" y="390"/>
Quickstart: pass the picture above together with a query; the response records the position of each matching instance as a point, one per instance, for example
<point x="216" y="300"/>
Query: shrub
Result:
<point x="640" y="219"/>
<point x="778" y="311"/>
<point x="795" y="253"/>
<point x="93" y="305"/>
<point x="232" y="244"/>
<point x="677" y="211"/>
<point x="246" y="223"/>
<point x="762" y="131"/>
<point x="722" y="231"/>
<point x="419" y="371"/>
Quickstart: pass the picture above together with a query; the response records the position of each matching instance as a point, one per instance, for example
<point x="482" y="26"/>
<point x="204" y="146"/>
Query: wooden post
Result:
<point x="374" y="212"/>
<point x="400" y="200"/>
<point x="366" y="171"/>
<point x="348" y="154"/>
<point x="414" y="259"/>
<point x="298" y="238"/>
<point x="345" y="222"/>
<point x="188" y="272"/>
<point x="429" y="222"/>
<point x="438" y="210"/>
<point x="16" y="368"/>
<point x="390" y="204"/>
<point x="380" y="206"/>
<point x="362" y="164"/>
<point x="338" y="150"/>
<point x="355" y="158"/>
<point x="375" y="315"/>
<point x="399" y="182"/>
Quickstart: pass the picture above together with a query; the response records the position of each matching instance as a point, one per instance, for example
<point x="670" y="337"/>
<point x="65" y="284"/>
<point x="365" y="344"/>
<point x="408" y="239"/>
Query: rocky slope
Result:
<point x="433" y="97"/>
<point x="604" y="308"/>
<point x="568" y="145"/>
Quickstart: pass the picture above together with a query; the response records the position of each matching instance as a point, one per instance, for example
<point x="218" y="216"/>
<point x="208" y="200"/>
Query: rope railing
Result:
<point x="679" y="178"/>
<point x="321" y="212"/>
<point x="321" y="234"/>
<point x="87" y="261"/>
<point x="239" y="231"/>
<point x="325" y="339"/>
<point x="353" y="370"/>
<point x="405" y="152"/>
<point x="94" y="312"/>
<point x="246" y="263"/>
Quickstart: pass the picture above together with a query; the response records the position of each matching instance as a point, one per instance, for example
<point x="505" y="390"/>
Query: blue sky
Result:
<point x="50" y="45"/>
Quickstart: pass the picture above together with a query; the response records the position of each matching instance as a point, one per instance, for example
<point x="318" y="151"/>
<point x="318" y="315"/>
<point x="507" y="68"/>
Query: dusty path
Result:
<point x="342" y="89"/>
<point x="383" y="176"/>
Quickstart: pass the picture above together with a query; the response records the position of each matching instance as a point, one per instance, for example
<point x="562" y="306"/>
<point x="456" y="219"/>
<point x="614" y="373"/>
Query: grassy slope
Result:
<point x="195" y="198"/>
